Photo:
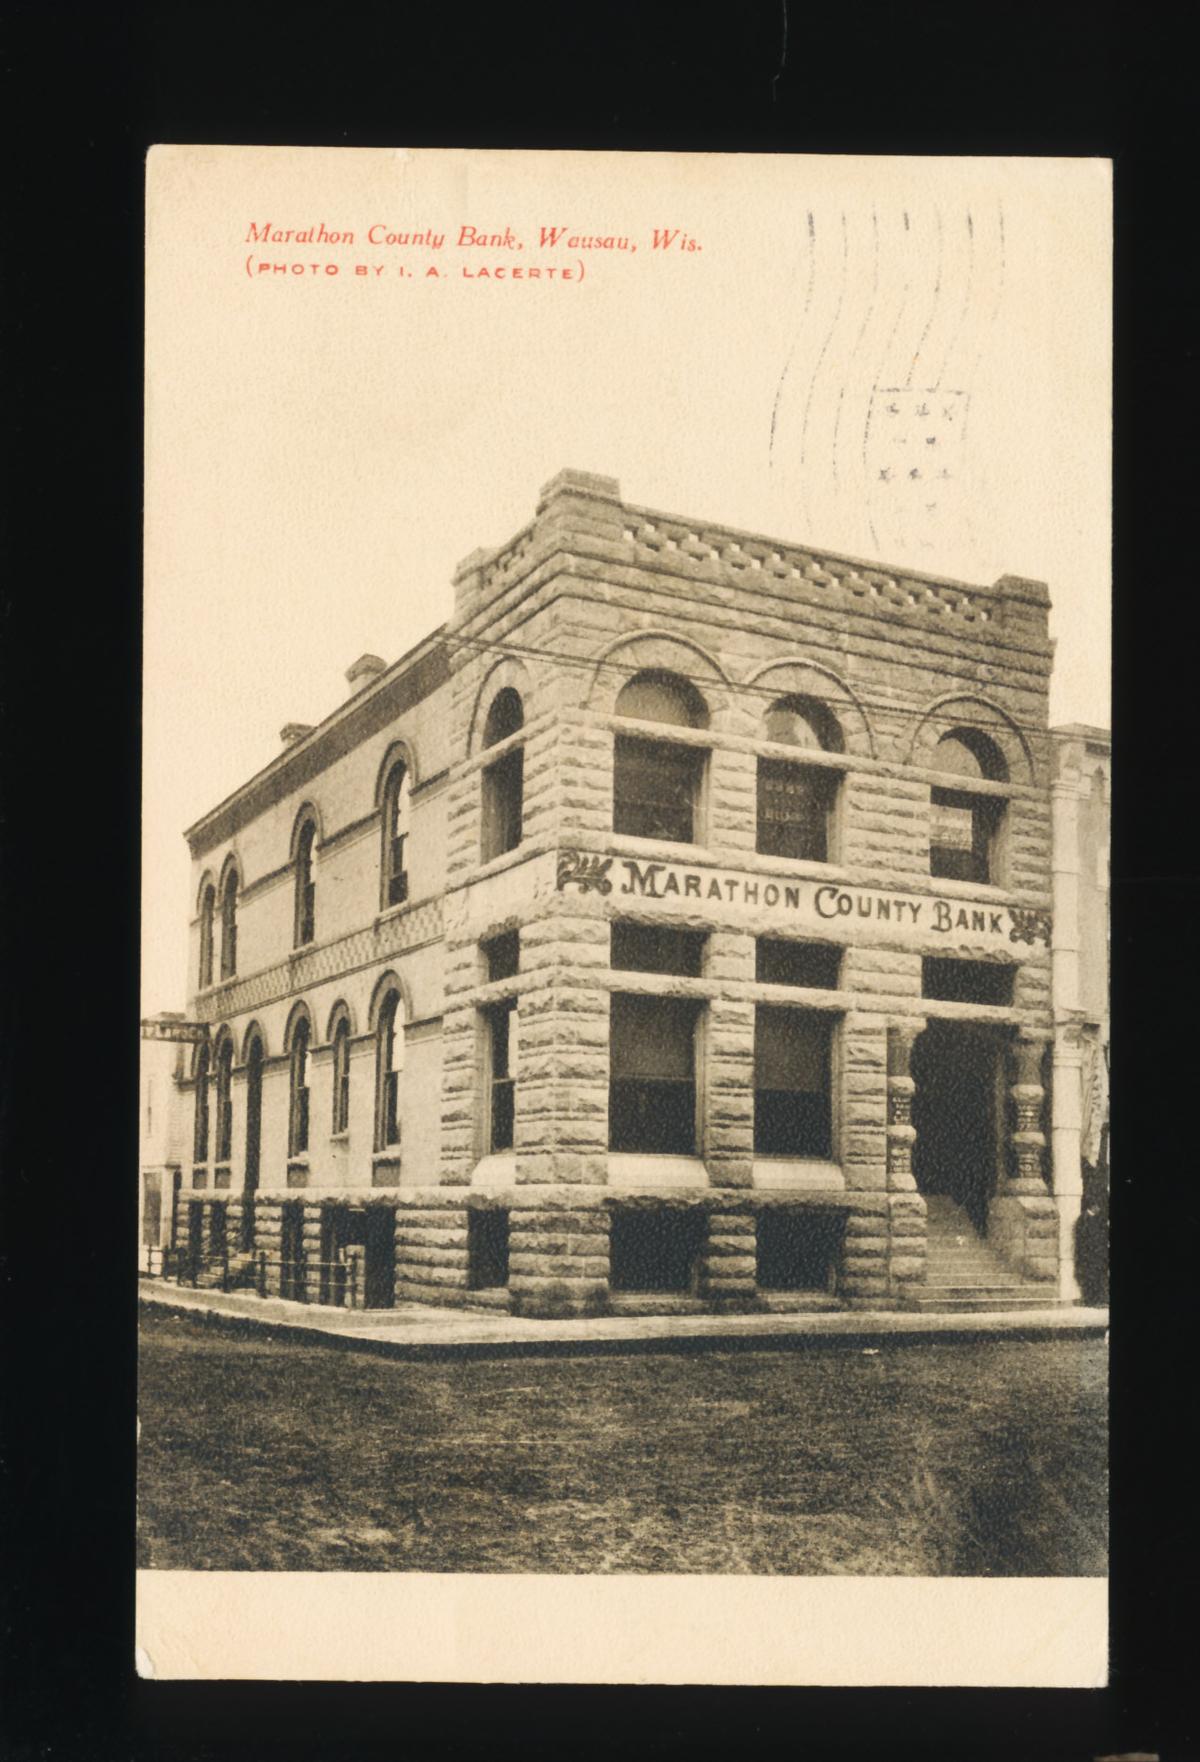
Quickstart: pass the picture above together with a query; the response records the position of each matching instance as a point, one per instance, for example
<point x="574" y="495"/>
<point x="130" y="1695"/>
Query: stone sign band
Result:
<point x="817" y="903"/>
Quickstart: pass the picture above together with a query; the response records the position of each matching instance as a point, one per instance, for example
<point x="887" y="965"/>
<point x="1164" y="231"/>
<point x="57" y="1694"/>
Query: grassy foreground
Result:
<point x="972" y="1458"/>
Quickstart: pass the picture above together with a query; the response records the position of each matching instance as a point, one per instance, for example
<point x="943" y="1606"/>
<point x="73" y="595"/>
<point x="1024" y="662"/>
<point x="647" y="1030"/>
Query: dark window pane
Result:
<point x="781" y="962"/>
<point x="798" y="1248"/>
<point x="655" y="1250"/>
<point x="792" y="1111"/>
<point x="655" y="789"/>
<point x="391" y="1108"/>
<point x="790" y="1122"/>
<point x="502" y="955"/>
<point x="487" y="1250"/>
<point x="651" y="948"/>
<point x="953" y="981"/>
<point x="503" y="1113"/>
<point x="793" y="810"/>
<point x="503" y="800"/>
<point x="653" y="1037"/>
<point x="653" y="1116"/>
<point x="962" y="828"/>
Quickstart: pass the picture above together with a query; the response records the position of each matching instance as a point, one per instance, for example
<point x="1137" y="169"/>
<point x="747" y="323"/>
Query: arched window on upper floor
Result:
<point x="229" y="893"/>
<point x="797" y="803"/>
<point x="341" y="1071"/>
<point x="965" y="826"/>
<point x="658" y="784"/>
<point x="389" y="1064"/>
<point x="396" y="813"/>
<point x="305" y="914"/>
<point x="200" y="1131"/>
<point x="224" y="1076"/>
<point x="301" y="1041"/>
<point x="504" y="779"/>
<point x="208" y="912"/>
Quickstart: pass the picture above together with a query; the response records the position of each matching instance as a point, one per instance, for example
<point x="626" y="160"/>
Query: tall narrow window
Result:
<point x="652" y="1093"/>
<point x="796" y="801"/>
<point x="657" y="784"/>
<point x="224" y="1145"/>
<point x="229" y="925"/>
<point x="208" y="909"/>
<point x="396" y="810"/>
<point x="792" y="1059"/>
<point x="965" y="826"/>
<point x="298" y="1128"/>
<point x="341" y="1076"/>
<point x="504" y="780"/>
<point x="502" y="1024"/>
<point x="390" y="1057"/>
<point x="200" y="1134"/>
<point x="306" y="892"/>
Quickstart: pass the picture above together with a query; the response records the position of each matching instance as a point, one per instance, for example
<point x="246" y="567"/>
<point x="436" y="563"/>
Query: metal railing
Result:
<point x="339" y="1284"/>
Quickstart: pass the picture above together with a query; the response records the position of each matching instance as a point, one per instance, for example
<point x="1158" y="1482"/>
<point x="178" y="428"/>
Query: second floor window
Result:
<point x="298" y="1132"/>
<point x="795" y="809"/>
<point x="658" y="784"/>
<point x="964" y="826"/>
<point x="208" y="912"/>
<point x="229" y="925"/>
<point x="306" y="892"/>
<point x="504" y="780"/>
<point x="396" y="809"/>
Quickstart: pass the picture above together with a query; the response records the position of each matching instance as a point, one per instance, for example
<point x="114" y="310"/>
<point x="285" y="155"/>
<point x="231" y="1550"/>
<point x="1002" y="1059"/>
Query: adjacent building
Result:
<point x="670" y="930"/>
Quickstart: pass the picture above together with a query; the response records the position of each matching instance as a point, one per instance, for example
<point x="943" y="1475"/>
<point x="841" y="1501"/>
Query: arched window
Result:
<point x="341" y="1075"/>
<point x="229" y="894"/>
<point x="254" y="1075"/>
<point x="208" y="910"/>
<point x="964" y="826"/>
<point x="503" y="781"/>
<point x="657" y="784"/>
<point x="796" y="802"/>
<point x="306" y="892"/>
<point x="298" y="1112"/>
<point x="200" y="1133"/>
<point x="396" y="809"/>
<point x="224" y="1074"/>
<point x="389" y="1064"/>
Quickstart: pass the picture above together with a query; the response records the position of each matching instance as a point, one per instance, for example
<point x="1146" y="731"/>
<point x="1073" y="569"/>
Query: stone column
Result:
<point x="1066" y="1160"/>
<point x="1028" y="1139"/>
<point x="727" y="1082"/>
<point x="728" y="1265"/>
<point x="431" y="1250"/>
<point x="1022" y="1218"/>
<point x="901" y="1135"/>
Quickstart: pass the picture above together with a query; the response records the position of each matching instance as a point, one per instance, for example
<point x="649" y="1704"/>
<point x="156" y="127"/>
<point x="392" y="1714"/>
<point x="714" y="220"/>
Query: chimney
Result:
<point x="364" y="672"/>
<point x="294" y="731"/>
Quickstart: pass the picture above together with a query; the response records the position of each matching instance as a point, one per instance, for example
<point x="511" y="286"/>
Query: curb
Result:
<point x="804" y="1331"/>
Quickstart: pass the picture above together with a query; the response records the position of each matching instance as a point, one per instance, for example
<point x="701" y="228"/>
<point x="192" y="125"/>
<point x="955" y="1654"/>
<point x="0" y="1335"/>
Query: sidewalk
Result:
<point x="422" y="1331"/>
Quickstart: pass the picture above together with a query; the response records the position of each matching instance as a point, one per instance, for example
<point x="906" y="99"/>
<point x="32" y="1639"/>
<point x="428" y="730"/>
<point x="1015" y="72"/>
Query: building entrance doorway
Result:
<point x="957" y="1068"/>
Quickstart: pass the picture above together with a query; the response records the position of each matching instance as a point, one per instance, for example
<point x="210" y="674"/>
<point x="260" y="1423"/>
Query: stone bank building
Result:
<point x="670" y="930"/>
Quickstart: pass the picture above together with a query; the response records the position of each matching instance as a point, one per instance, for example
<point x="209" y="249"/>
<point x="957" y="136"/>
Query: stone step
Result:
<point x="976" y="1301"/>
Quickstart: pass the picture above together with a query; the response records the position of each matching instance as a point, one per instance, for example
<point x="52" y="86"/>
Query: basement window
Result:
<point x="797" y="1248"/>
<point x="780" y="961"/>
<point x="487" y="1250"/>
<point x="954" y="981"/>
<point x="654" y="948"/>
<point x="656" y="1249"/>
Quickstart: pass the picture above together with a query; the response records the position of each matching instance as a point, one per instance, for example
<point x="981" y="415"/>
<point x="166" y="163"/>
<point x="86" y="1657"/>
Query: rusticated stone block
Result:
<point x="558" y="1266"/>
<point x="907" y="1266"/>
<point x="427" y="1256"/>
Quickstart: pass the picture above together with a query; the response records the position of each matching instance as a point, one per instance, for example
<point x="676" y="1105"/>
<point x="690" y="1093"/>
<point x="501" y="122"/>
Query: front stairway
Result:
<point x="963" y="1273"/>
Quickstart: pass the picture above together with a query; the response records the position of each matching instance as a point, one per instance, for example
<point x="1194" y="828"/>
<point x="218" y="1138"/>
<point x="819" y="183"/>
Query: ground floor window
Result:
<point x="487" y="1250"/>
<point x="954" y="981"/>
<point x="780" y="961"/>
<point x="797" y="1248"/>
<point x="792" y="1082"/>
<point x="656" y="1249"/>
<point x="501" y="1024"/>
<point x="652" y="1093"/>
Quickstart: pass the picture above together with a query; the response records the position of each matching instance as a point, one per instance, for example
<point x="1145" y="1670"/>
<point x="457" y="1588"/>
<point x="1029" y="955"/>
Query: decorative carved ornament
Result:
<point x="1029" y="924"/>
<point x="584" y="870"/>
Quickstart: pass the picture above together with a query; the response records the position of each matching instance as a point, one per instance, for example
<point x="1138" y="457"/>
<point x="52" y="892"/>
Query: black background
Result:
<point x="85" y="91"/>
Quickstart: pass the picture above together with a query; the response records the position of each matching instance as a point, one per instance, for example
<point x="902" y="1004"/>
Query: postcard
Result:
<point x="623" y="1143"/>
